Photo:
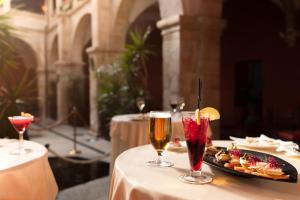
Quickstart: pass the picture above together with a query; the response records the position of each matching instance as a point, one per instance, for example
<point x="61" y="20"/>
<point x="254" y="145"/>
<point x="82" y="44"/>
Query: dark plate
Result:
<point x="287" y="168"/>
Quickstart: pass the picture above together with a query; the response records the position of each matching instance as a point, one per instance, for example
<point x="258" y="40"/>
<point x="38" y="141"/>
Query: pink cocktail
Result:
<point x="20" y="123"/>
<point x="195" y="135"/>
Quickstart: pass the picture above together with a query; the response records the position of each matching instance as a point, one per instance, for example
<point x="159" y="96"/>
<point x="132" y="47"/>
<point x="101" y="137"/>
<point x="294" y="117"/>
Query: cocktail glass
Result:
<point x="140" y="103"/>
<point x="195" y="135"/>
<point x="160" y="134"/>
<point x="20" y="123"/>
<point x="174" y="102"/>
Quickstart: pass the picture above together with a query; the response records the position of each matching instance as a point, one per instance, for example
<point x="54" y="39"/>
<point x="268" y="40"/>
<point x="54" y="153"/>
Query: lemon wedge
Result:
<point x="211" y="113"/>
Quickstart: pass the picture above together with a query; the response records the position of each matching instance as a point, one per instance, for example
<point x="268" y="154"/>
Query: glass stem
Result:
<point x="20" y="143"/>
<point x="159" y="158"/>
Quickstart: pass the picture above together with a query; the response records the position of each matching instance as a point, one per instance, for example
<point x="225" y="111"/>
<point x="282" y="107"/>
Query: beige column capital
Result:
<point x="188" y="22"/>
<point x="98" y="51"/>
<point x="68" y="65"/>
<point x="69" y="69"/>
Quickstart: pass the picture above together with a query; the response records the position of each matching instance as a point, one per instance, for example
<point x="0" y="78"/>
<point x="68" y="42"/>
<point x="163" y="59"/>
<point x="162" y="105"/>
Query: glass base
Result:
<point x="154" y="163"/>
<point x="20" y="152"/>
<point x="198" y="179"/>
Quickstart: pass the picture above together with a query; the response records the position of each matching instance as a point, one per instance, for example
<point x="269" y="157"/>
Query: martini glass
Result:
<point x="20" y="123"/>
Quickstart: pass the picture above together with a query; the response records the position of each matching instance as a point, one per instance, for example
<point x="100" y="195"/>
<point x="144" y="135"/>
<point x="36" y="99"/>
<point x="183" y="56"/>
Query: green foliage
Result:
<point x="15" y="91"/>
<point x="124" y="80"/>
<point x="6" y="44"/>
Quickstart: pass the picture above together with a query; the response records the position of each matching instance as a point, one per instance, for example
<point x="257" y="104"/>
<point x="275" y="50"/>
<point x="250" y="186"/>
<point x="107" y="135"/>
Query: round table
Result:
<point x="132" y="179"/>
<point x="27" y="176"/>
<point x="131" y="130"/>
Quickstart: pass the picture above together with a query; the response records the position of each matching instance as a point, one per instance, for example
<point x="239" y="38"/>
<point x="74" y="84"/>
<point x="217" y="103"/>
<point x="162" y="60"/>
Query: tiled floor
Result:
<point x="60" y="140"/>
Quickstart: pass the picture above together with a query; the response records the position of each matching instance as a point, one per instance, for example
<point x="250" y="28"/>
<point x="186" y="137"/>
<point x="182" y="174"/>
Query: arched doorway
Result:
<point x="258" y="70"/>
<point x="26" y="65"/>
<point x="52" y="78"/>
<point x="148" y="18"/>
<point x="81" y="42"/>
<point x="85" y="109"/>
<point x="19" y="86"/>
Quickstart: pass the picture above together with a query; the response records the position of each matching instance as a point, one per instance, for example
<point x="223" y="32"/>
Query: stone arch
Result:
<point x="126" y="12"/>
<point x="82" y="35"/>
<point x="26" y="52"/>
<point x="142" y="20"/>
<point x="80" y="43"/>
<point x="26" y="58"/>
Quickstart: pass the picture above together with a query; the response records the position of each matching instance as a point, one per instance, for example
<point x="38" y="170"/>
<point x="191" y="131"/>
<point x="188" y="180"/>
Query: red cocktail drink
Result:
<point x="195" y="132"/>
<point x="20" y="123"/>
<point x="195" y="136"/>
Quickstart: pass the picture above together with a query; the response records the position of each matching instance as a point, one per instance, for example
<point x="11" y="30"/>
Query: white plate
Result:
<point x="294" y="154"/>
<point x="257" y="145"/>
<point x="253" y="145"/>
<point x="177" y="149"/>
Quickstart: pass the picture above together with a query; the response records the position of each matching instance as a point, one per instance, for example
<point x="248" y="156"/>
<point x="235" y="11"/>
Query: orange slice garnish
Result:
<point x="23" y="114"/>
<point x="209" y="112"/>
<point x="197" y="116"/>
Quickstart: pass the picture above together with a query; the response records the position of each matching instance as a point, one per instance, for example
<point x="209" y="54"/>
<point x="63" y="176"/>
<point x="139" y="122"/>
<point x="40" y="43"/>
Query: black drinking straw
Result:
<point x="199" y="92"/>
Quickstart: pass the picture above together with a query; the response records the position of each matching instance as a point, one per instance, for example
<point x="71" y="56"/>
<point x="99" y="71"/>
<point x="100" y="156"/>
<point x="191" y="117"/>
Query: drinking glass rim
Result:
<point x="19" y="117"/>
<point x="160" y="114"/>
<point x="193" y="114"/>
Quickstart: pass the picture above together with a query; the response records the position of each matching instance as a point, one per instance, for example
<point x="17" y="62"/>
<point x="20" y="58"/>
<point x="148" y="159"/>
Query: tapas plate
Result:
<point x="286" y="167"/>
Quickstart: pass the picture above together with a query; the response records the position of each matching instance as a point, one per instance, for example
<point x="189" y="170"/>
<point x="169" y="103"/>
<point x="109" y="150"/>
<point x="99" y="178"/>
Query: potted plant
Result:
<point x="123" y="81"/>
<point x="15" y="91"/>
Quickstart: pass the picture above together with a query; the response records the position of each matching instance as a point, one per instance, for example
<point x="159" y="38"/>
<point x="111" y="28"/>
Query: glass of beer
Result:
<point x="160" y="130"/>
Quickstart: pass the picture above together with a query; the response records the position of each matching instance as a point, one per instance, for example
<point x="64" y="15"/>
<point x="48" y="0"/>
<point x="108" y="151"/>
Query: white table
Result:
<point x="132" y="179"/>
<point x="26" y="176"/>
<point x="127" y="131"/>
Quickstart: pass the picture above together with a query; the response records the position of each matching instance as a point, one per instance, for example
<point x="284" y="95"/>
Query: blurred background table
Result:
<point x="127" y="131"/>
<point x="132" y="179"/>
<point x="26" y="176"/>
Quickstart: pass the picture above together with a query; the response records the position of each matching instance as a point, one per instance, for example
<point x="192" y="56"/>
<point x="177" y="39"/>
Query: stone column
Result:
<point x="95" y="60"/>
<point x="41" y="92"/>
<point x="67" y="73"/>
<point x="100" y="37"/>
<point x="191" y="45"/>
<point x="98" y="58"/>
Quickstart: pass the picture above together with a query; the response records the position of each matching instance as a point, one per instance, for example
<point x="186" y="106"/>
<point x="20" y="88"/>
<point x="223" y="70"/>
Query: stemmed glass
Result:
<point x="174" y="103"/>
<point x="140" y="103"/>
<point x="160" y="135"/>
<point x="20" y="123"/>
<point x="195" y="132"/>
<point x="181" y="104"/>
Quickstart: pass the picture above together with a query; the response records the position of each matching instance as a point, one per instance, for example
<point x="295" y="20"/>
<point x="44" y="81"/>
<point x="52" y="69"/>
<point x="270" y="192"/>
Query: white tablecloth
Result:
<point x="127" y="131"/>
<point x="133" y="180"/>
<point x="25" y="177"/>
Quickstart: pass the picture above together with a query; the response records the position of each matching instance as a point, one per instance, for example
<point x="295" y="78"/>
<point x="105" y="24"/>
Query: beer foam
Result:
<point x="160" y="114"/>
